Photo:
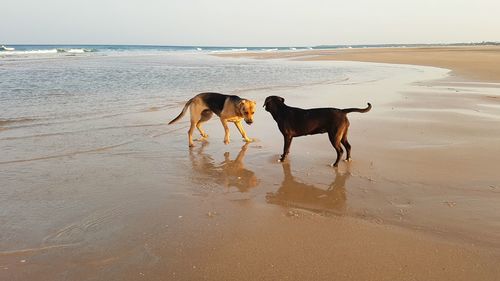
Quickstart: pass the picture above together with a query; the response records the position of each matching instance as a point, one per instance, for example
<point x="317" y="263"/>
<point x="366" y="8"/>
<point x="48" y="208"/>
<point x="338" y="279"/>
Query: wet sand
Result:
<point x="420" y="201"/>
<point x="478" y="63"/>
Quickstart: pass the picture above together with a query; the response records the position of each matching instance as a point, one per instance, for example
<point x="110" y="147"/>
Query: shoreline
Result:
<point x="478" y="62"/>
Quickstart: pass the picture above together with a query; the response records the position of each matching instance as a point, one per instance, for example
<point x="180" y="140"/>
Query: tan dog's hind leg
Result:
<point x="202" y="133"/>
<point x="190" y="133"/>
<point x="195" y="111"/>
<point x="226" y="131"/>
<point x="205" y="116"/>
<point x="242" y="131"/>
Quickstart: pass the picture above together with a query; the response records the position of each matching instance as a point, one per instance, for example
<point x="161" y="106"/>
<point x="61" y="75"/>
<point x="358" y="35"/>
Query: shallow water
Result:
<point x="90" y="174"/>
<point x="73" y="125"/>
<point x="73" y="105"/>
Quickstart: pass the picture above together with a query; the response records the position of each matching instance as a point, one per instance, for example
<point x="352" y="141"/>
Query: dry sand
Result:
<point x="420" y="201"/>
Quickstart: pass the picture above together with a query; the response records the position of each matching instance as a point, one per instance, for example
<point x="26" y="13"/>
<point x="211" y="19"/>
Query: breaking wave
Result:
<point x="47" y="51"/>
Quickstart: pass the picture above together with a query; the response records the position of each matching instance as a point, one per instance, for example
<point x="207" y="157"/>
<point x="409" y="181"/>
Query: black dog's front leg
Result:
<point x="286" y="147"/>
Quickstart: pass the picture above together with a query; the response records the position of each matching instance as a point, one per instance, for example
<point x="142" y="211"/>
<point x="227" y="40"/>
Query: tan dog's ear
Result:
<point x="241" y="105"/>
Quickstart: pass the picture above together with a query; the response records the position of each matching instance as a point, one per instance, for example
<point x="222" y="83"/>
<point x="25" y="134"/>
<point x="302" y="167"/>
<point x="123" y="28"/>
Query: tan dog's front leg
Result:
<point x="242" y="132"/>
<point x="226" y="131"/>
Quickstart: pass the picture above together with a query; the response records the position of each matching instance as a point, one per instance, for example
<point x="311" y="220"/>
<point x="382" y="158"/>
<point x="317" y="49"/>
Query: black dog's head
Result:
<point x="273" y="102"/>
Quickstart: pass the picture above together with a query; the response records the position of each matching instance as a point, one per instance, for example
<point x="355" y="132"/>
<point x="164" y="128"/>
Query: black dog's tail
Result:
<point x="182" y="112"/>
<point x="360" y="110"/>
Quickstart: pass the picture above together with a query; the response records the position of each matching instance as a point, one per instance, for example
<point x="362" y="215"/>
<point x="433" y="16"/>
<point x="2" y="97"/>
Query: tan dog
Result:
<point x="228" y="108"/>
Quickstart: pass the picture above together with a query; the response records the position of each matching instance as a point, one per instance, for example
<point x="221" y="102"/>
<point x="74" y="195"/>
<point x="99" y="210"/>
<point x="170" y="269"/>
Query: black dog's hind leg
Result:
<point x="346" y="145"/>
<point x="335" y="140"/>
<point x="286" y="147"/>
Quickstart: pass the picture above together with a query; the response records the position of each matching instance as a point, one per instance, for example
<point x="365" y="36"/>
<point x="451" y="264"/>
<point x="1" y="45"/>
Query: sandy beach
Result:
<point x="477" y="63"/>
<point x="420" y="201"/>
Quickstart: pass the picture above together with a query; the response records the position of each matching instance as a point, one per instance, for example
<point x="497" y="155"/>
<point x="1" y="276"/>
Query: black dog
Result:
<point x="295" y="122"/>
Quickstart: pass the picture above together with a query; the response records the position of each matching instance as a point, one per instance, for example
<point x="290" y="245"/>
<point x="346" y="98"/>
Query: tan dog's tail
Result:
<point x="182" y="112"/>
<point x="360" y="110"/>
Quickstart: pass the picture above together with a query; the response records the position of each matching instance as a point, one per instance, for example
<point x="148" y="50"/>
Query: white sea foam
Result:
<point x="270" y="50"/>
<point x="28" y="52"/>
<point x="74" y="50"/>
<point x="230" y="50"/>
<point x="5" y="48"/>
<point x="77" y="51"/>
<point x="45" y="51"/>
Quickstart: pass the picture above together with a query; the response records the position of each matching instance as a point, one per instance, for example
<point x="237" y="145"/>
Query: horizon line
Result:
<point x="262" y="46"/>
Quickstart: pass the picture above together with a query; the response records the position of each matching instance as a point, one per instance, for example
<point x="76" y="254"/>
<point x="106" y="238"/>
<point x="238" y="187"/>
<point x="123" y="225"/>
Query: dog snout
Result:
<point x="249" y="122"/>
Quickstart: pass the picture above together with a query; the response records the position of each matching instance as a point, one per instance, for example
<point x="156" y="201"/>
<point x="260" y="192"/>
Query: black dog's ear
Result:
<point x="265" y="102"/>
<point x="271" y="98"/>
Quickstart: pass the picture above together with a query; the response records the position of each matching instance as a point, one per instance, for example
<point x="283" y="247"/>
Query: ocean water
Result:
<point x="36" y="88"/>
<point x="30" y="50"/>
<point x="61" y="97"/>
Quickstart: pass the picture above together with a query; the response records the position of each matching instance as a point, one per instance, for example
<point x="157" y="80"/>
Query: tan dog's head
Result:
<point x="247" y="109"/>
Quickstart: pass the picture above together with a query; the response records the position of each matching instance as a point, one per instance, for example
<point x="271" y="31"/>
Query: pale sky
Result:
<point x="248" y="23"/>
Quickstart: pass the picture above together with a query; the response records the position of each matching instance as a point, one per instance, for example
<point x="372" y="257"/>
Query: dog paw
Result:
<point x="191" y="145"/>
<point x="248" y="140"/>
<point x="226" y="141"/>
<point x="348" y="159"/>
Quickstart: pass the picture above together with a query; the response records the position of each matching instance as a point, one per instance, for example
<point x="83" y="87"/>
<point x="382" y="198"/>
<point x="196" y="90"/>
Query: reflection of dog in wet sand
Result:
<point x="228" y="173"/>
<point x="228" y="108"/>
<point x="296" y="122"/>
<point x="306" y="196"/>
